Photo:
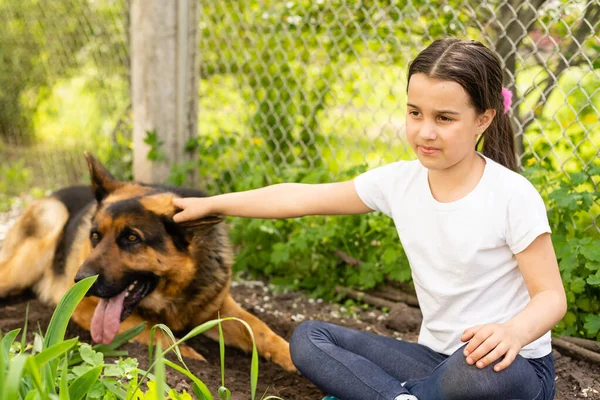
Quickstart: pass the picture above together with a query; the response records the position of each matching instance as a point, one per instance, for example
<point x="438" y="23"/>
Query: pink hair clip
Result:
<point x="507" y="96"/>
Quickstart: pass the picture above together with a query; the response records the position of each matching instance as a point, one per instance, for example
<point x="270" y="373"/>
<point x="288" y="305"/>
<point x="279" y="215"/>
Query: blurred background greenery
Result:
<point x="310" y="91"/>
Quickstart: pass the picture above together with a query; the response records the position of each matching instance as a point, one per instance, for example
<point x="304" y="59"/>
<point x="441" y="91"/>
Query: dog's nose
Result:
<point x="84" y="272"/>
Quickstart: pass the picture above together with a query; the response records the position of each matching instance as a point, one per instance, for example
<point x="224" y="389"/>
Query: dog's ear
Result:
<point x="183" y="233"/>
<point x="103" y="183"/>
<point x="200" y="224"/>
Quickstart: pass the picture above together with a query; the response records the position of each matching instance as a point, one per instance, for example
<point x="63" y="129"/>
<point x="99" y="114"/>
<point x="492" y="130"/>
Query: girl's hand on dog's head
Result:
<point x="191" y="208"/>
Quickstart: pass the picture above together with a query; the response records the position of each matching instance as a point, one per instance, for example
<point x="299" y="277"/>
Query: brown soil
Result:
<point x="283" y="311"/>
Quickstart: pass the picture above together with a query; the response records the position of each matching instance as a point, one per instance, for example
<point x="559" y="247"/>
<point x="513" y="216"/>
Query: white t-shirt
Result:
<point x="462" y="253"/>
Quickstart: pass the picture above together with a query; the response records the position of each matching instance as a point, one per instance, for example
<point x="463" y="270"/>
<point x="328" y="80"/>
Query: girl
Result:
<point x="476" y="235"/>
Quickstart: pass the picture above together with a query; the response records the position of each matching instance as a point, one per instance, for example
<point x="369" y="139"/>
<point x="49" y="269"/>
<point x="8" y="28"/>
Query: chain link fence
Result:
<point x="310" y="84"/>
<point x="64" y="87"/>
<point x="323" y="83"/>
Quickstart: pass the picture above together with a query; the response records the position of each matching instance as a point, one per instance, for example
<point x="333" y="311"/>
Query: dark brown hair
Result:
<point x="473" y="66"/>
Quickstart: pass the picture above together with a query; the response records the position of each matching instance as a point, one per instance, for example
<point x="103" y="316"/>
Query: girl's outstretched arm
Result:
<point x="285" y="200"/>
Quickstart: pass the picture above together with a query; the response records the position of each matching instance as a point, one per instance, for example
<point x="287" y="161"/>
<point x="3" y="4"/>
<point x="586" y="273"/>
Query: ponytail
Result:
<point x="499" y="142"/>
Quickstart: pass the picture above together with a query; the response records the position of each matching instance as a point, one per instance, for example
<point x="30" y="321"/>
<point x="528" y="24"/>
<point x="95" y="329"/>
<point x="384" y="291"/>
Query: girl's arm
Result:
<point x="547" y="306"/>
<point x="285" y="200"/>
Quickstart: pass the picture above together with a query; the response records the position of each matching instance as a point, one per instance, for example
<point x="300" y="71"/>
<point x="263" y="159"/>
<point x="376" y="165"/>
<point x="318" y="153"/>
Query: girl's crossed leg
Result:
<point x="356" y="365"/>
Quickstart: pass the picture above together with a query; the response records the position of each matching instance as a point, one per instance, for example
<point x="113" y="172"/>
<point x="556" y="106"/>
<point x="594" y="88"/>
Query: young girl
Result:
<point x="476" y="235"/>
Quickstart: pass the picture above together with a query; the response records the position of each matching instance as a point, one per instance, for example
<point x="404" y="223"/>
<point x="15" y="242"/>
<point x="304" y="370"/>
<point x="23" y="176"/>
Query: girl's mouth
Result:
<point x="428" y="150"/>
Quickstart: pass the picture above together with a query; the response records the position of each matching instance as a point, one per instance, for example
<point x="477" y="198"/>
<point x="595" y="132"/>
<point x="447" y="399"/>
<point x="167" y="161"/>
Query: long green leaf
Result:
<point x="59" y="321"/>
<point x="24" y="335"/>
<point x="201" y="329"/>
<point x="49" y="375"/>
<point x="81" y="386"/>
<point x="208" y="325"/>
<point x="222" y="349"/>
<point x="62" y="314"/>
<point x="159" y="372"/>
<point x="34" y="370"/>
<point x="54" y="351"/>
<point x="64" y="381"/>
<point x="204" y="392"/>
<point x="168" y="331"/>
<point x="254" y="363"/>
<point x="194" y="332"/>
<point x="13" y="379"/>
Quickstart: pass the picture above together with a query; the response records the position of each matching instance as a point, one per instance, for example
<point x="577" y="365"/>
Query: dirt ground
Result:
<point x="281" y="311"/>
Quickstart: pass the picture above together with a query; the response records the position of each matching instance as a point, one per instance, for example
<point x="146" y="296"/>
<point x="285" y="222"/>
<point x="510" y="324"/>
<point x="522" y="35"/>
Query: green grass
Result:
<point x="55" y="368"/>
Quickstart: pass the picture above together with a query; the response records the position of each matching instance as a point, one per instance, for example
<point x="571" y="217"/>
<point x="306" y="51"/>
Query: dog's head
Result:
<point x="137" y="249"/>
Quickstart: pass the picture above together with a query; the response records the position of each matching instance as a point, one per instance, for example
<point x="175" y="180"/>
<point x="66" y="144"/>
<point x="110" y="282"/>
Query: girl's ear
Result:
<point x="485" y="120"/>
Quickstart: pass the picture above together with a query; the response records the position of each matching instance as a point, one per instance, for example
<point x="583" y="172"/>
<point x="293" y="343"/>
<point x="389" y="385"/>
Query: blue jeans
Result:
<point x="355" y="365"/>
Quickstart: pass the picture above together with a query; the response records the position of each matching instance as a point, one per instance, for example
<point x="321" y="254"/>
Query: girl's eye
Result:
<point x="414" y="113"/>
<point x="445" y="119"/>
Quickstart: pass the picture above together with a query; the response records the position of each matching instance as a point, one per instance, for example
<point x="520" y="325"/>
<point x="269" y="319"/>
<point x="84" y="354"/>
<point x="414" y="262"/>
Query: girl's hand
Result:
<point x="191" y="208"/>
<point x="490" y="342"/>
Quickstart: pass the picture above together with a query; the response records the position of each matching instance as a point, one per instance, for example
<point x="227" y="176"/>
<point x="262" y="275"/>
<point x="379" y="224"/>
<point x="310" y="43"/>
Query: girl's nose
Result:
<point x="427" y="132"/>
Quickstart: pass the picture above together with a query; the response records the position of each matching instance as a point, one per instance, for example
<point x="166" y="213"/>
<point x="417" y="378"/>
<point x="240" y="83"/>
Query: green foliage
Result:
<point x="34" y="56"/>
<point x="117" y="156"/>
<point x="14" y="180"/>
<point x="301" y="253"/>
<point x="153" y="141"/>
<point x="55" y="368"/>
<point x="573" y="203"/>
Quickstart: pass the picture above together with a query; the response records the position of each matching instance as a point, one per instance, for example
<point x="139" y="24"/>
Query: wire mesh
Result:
<point x="63" y="86"/>
<point x="323" y="83"/>
<point x="311" y="84"/>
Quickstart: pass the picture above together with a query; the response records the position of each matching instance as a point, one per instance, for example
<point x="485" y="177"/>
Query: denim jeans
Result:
<point x="355" y="365"/>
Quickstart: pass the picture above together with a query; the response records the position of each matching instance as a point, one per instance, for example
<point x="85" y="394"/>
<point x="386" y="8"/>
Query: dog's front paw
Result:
<point x="281" y="356"/>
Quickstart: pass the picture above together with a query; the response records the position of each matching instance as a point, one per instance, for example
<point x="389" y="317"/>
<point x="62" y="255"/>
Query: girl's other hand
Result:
<point x="490" y="342"/>
<point x="191" y="208"/>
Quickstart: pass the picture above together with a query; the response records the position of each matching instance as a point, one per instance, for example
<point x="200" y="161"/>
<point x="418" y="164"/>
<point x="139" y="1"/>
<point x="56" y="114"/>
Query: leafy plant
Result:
<point x="155" y="153"/>
<point x="302" y="253"/>
<point x="573" y="203"/>
<point x="55" y="368"/>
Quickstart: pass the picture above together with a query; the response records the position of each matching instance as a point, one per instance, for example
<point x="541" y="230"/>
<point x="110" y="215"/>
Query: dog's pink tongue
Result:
<point x="107" y="318"/>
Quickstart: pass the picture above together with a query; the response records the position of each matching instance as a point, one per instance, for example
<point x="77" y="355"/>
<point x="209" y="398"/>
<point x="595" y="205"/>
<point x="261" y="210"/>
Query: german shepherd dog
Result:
<point x="149" y="268"/>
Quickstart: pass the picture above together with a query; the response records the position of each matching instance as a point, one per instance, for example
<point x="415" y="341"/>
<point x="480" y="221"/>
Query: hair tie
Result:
<point x="507" y="96"/>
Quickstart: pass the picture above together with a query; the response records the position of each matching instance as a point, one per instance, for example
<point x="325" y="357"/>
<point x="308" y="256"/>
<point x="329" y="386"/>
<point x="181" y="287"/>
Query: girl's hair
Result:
<point x="473" y="66"/>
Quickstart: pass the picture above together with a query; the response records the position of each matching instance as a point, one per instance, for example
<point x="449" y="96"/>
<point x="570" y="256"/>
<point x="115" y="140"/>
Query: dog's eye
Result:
<point x="132" y="238"/>
<point x="95" y="237"/>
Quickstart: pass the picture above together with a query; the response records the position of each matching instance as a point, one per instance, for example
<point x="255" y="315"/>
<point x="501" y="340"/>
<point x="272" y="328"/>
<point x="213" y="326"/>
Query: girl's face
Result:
<point x="441" y="125"/>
